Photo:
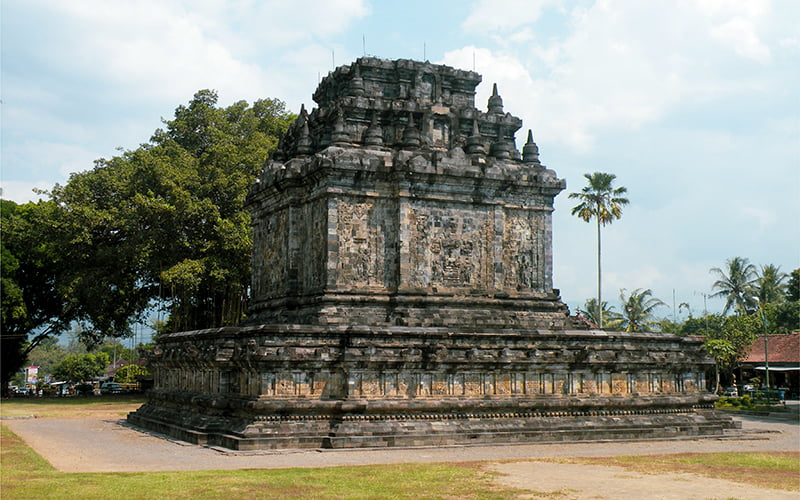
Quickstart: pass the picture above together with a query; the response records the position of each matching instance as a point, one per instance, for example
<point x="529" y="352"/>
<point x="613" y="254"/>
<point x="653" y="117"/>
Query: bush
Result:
<point x="743" y="402"/>
<point x="127" y="374"/>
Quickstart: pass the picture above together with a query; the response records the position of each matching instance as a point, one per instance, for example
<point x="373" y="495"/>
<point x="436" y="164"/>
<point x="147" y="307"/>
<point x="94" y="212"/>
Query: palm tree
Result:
<point x="601" y="201"/>
<point x="736" y="284"/>
<point x="590" y="312"/>
<point x="637" y="310"/>
<point x="770" y="286"/>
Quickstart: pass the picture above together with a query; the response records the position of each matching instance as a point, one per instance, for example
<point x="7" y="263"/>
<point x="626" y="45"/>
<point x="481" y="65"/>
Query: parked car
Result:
<point x="112" y="388"/>
<point x="730" y="392"/>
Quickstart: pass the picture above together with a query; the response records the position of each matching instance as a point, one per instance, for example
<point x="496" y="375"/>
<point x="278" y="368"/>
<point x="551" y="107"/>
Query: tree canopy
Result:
<point x="770" y="284"/>
<point x="33" y="306"/>
<point x="638" y="310"/>
<point x="161" y="226"/>
<point x="736" y="284"/>
<point x="81" y="367"/>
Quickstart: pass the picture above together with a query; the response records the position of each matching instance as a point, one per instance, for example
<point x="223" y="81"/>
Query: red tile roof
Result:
<point x="782" y="349"/>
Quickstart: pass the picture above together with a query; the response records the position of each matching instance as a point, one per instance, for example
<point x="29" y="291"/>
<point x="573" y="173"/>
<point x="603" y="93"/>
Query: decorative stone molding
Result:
<point x="402" y="294"/>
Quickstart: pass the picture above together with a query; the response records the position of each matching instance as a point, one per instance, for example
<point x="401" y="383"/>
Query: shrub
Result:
<point x="127" y="374"/>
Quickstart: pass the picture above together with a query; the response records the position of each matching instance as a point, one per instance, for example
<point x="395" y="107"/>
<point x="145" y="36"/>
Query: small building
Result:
<point x="781" y="353"/>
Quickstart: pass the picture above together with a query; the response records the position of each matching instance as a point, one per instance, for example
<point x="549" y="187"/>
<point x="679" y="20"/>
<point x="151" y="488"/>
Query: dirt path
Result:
<point x="95" y="444"/>
<point x="573" y="481"/>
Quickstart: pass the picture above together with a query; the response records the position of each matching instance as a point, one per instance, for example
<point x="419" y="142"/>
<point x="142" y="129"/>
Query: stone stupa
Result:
<point x="402" y="294"/>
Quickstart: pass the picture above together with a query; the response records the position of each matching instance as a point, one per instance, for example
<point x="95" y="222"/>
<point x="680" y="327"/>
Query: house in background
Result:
<point x="782" y="357"/>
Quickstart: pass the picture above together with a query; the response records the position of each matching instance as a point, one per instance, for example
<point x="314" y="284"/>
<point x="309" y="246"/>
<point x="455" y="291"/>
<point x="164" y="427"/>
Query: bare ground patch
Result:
<point x="573" y="481"/>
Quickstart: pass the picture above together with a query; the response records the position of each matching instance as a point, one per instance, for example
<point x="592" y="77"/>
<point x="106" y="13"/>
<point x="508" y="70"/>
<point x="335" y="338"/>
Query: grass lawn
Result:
<point x="71" y="407"/>
<point x="25" y="475"/>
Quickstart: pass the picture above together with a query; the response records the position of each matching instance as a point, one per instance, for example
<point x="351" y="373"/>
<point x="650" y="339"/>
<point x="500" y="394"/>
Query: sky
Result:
<point x="693" y="105"/>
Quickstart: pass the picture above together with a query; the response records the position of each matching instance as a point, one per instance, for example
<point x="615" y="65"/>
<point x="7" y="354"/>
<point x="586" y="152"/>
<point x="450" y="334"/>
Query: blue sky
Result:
<point x="694" y="105"/>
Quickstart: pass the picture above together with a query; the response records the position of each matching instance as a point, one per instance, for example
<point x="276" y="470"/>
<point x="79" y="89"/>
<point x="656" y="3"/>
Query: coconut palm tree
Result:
<point x="637" y="310"/>
<point x="770" y="286"/>
<point x="590" y="312"/>
<point x="736" y="284"/>
<point x="601" y="201"/>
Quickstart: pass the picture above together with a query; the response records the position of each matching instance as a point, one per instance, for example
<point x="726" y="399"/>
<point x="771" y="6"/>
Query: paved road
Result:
<point x="94" y="445"/>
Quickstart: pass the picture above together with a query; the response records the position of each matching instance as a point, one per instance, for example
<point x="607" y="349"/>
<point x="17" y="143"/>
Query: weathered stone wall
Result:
<point x="403" y="294"/>
<point x="394" y="227"/>
<point x="397" y="202"/>
<point x="279" y="386"/>
<point x="412" y="363"/>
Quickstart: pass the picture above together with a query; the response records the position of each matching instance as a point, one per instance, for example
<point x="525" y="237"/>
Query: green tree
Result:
<point x="740" y="331"/>
<point x="47" y="355"/>
<point x="601" y="201"/>
<point x="590" y="312"/>
<point x="769" y="284"/>
<point x="736" y="283"/>
<point x="81" y="367"/>
<point x="783" y="317"/>
<point x="704" y="326"/>
<point x="793" y="288"/>
<point x="638" y="310"/>
<point x="34" y="306"/>
<point x="164" y="225"/>
<point x="128" y="373"/>
<point x="723" y="352"/>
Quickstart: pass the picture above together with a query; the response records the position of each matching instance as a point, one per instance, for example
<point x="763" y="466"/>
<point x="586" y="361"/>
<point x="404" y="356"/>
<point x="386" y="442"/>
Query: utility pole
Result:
<point x="766" y="343"/>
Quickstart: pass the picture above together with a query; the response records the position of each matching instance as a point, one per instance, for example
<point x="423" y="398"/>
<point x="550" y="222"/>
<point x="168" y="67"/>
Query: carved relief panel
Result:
<point x="447" y="246"/>
<point x="361" y="234"/>
<point x="522" y="251"/>
<point x="271" y="255"/>
<point x="312" y="234"/>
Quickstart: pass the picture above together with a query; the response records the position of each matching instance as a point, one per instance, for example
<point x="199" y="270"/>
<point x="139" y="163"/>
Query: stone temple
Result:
<point x="402" y="294"/>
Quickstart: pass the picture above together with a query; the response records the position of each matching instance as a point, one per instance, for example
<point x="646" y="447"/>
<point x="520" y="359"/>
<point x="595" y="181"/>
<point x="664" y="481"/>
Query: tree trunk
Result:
<point x="599" y="280"/>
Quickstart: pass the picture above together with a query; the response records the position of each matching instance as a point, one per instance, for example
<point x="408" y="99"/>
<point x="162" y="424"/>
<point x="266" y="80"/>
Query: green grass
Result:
<point x="25" y="475"/>
<point x="779" y="470"/>
<point x="78" y="406"/>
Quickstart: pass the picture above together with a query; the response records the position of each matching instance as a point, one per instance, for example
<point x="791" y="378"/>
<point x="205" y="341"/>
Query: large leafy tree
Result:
<point x="728" y="338"/>
<point x="702" y="326"/>
<point x="161" y="226"/>
<point x="601" y="201"/>
<point x="33" y="303"/>
<point x="164" y="225"/>
<point x="736" y="283"/>
<point x="81" y="367"/>
<point x="783" y="317"/>
<point x="638" y="310"/>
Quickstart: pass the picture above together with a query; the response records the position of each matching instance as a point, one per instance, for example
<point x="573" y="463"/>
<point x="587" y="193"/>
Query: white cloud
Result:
<point x="494" y="15"/>
<point x="107" y="66"/>
<point x="620" y="65"/>
<point x="22" y="192"/>
<point x="740" y="34"/>
<point x="168" y="50"/>
<point x="761" y="217"/>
